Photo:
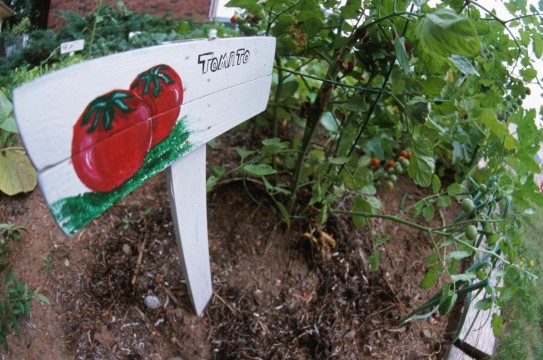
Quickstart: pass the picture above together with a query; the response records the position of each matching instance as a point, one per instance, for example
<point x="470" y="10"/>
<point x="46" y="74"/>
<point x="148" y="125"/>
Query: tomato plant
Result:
<point x="110" y="140"/>
<point x="432" y="87"/>
<point x="161" y="88"/>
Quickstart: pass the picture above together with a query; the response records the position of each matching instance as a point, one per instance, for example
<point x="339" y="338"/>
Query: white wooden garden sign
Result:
<point x="97" y="130"/>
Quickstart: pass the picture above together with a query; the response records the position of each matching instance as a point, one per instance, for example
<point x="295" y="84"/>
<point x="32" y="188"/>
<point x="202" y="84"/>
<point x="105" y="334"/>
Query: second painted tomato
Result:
<point x="162" y="89"/>
<point x="111" y="138"/>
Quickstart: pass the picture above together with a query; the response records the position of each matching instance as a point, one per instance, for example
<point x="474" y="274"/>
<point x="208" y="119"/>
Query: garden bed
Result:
<point x="277" y="294"/>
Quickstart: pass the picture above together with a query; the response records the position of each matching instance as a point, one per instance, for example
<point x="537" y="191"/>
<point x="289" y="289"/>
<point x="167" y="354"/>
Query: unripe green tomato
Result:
<point x="386" y="176"/>
<point x="471" y="232"/>
<point x="391" y="170"/>
<point x="467" y="205"/>
<point x="378" y="183"/>
<point x="483" y="188"/>
<point x="398" y="168"/>
<point x="481" y="274"/>
<point x="393" y="178"/>
<point x="405" y="163"/>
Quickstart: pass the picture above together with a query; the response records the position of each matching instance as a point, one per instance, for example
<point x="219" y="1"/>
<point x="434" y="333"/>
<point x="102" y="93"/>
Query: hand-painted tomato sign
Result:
<point x="103" y="157"/>
<point x="97" y="130"/>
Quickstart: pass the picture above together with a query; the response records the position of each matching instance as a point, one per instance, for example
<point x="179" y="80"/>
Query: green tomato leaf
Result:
<point x="428" y="212"/>
<point x="259" y="170"/>
<point x="455" y="189"/>
<point x="464" y="65"/>
<point x="446" y="33"/>
<point x="497" y="324"/>
<point x="422" y="163"/>
<point x="361" y="205"/>
<point x="401" y="54"/>
<point x="499" y="129"/>
<point x="418" y="109"/>
<point x="459" y="254"/>
<point x="444" y="201"/>
<point x="436" y="184"/>
<point x="330" y="122"/>
<point x="312" y="26"/>
<point x="484" y="304"/>
<point x="17" y="175"/>
<point x="9" y="125"/>
<point x="430" y="278"/>
<point x="5" y="106"/>
<point x="290" y="86"/>
<point x="244" y="153"/>
<point x="538" y="46"/>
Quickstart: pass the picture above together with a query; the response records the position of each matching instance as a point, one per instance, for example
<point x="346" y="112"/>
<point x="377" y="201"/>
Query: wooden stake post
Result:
<point x="97" y="130"/>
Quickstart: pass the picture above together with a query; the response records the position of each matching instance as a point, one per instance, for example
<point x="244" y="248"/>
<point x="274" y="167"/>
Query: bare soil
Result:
<point x="277" y="295"/>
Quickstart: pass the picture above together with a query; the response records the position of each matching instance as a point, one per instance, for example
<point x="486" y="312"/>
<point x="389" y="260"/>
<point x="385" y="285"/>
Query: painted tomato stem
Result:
<point x="103" y="108"/>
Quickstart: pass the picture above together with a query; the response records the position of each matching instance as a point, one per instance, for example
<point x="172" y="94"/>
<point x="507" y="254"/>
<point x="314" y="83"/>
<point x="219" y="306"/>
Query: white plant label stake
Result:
<point x="71" y="47"/>
<point x="97" y="130"/>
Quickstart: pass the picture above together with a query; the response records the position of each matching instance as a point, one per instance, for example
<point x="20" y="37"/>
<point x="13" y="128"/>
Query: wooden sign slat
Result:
<point x="204" y="66"/>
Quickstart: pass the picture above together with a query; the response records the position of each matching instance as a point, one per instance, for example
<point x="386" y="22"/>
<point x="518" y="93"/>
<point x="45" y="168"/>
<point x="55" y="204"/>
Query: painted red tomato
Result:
<point x="162" y="89"/>
<point x="111" y="138"/>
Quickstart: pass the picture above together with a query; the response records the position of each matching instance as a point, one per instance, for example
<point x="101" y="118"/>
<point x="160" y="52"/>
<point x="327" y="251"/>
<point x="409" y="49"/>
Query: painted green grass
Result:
<point x="76" y="212"/>
<point x="522" y="338"/>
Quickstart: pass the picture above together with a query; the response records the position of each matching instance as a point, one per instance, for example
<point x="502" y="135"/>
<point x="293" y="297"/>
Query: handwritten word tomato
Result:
<point x="162" y="89"/>
<point x="111" y="138"/>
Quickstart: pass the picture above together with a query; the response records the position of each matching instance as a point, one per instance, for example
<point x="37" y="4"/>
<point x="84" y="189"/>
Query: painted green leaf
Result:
<point x="259" y="170"/>
<point x="17" y="175"/>
<point x="446" y="33"/>
<point x="422" y="163"/>
<point x="401" y="54"/>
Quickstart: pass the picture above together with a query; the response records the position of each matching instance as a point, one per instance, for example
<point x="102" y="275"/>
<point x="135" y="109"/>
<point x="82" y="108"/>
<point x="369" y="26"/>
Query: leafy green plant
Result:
<point x="16" y="172"/>
<point x="16" y="297"/>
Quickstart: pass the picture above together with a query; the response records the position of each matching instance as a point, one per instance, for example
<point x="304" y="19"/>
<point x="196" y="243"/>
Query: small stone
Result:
<point x="151" y="301"/>
<point x="127" y="249"/>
